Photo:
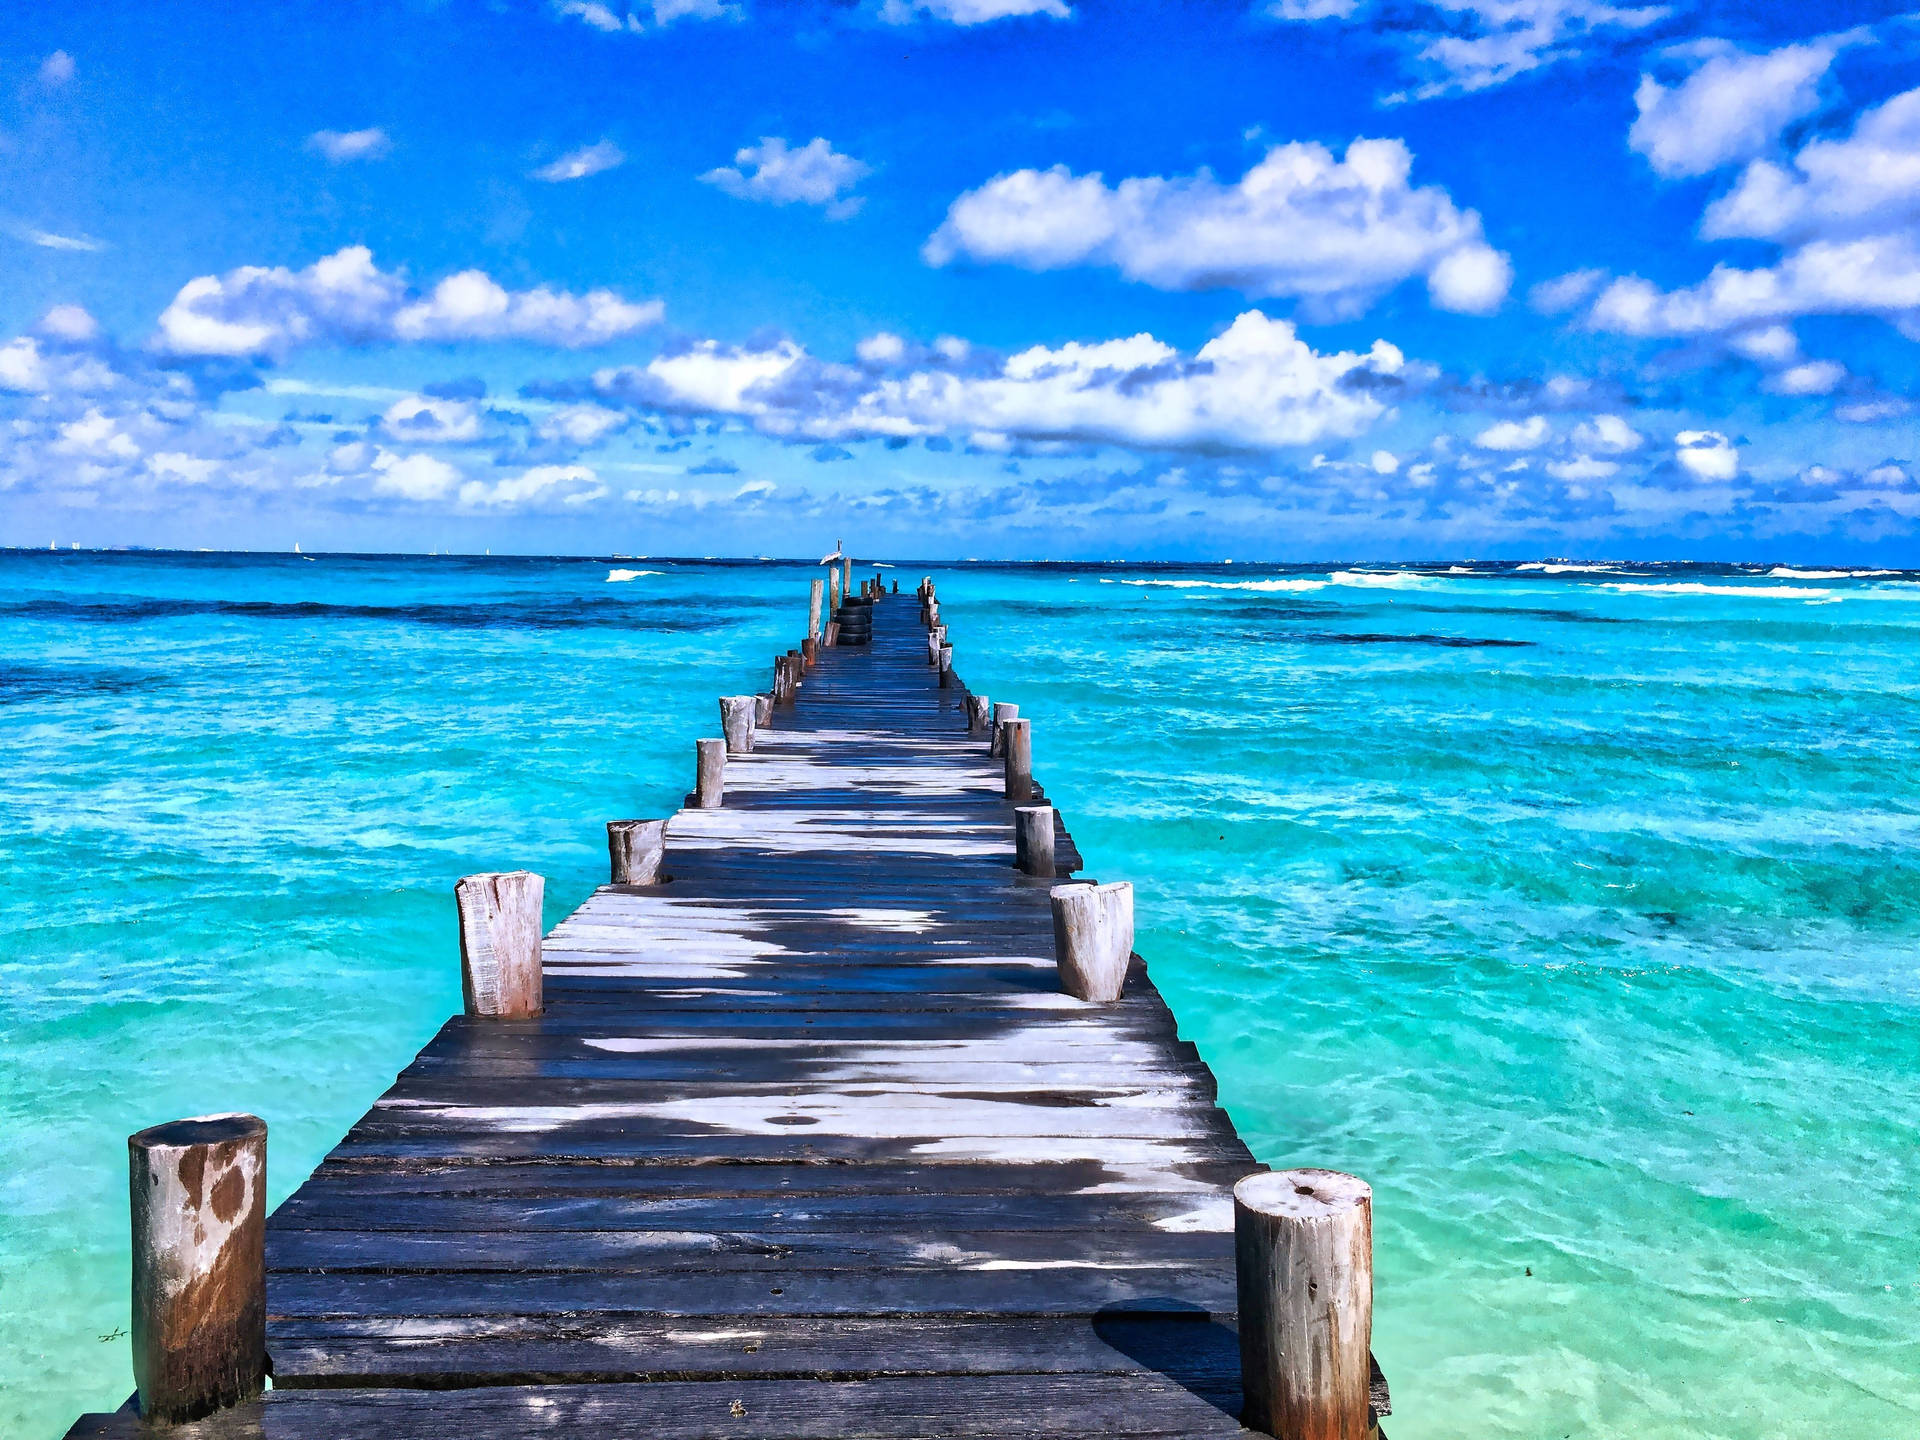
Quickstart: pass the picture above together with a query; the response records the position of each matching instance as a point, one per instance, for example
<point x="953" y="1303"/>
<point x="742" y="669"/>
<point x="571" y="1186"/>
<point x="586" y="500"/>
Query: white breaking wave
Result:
<point x="1546" y="568"/>
<point x="1228" y="584"/>
<point x="1787" y="572"/>
<point x="614" y="576"/>
<point x="1695" y="587"/>
<point x="1378" y="579"/>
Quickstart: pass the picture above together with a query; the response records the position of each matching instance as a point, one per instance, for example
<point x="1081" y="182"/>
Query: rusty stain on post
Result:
<point x="198" y="1190"/>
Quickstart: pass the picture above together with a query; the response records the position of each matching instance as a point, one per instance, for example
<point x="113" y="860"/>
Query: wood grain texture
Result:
<point x="807" y="1142"/>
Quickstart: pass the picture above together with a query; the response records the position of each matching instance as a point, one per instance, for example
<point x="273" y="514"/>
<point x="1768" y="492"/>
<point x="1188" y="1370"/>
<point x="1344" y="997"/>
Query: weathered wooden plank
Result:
<point x="1141" y="1404"/>
<point x="903" y="1245"/>
<point x="610" y="1348"/>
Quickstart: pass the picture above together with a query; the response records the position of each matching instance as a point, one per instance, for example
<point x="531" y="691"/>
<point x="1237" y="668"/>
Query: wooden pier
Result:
<point x="807" y="1143"/>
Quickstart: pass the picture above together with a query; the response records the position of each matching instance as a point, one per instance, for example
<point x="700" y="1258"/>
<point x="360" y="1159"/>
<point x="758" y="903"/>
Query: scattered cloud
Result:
<point x="815" y="174"/>
<point x="1528" y="434"/>
<point x="590" y="12"/>
<point x="56" y="69"/>
<point x="1867" y="183"/>
<point x="1257" y="386"/>
<point x="1608" y="433"/>
<point x="424" y="419"/>
<point x="1734" y="106"/>
<point x="344" y="298"/>
<point x="609" y="21"/>
<point x="412" y="477"/>
<point x="569" y="485"/>
<point x="1844" y="214"/>
<point x="1456" y="46"/>
<point x="970" y="12"/>
<point x="71" y="323"/>
<point x="579" y="164"/>
<point x="344" y="146"/>
<point x="881" y="349"/>
<point x="1565" y="292"/>
<point x="1335" y="234"/>
<point x="1811" y="377"/>
<point x="49" y="240"/>
<point x="1706" y="454"/>
<point x="581" y="425"/>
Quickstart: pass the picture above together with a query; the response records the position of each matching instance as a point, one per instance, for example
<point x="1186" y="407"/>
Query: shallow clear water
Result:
<point x="1596" y="950"/>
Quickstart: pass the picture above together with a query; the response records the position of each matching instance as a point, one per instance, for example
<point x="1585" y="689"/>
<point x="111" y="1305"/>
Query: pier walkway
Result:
<point x="807" y="1143"/>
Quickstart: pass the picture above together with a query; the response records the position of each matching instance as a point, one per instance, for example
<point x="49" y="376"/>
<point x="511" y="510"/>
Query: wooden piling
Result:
<point x="198" y="1193"/>
<point x="1033" y="839"/>
<point x="979" y="714"/>
<point x="636" y="848"/>
<point x="736" y="723"/>
<point x="1303" y="1260"/>
<point x="710" y="771"/>
<point x="1093" y="939"/>
<point x="500" y="929"/>
<point x="833" y="592"/>
<point x="810" y="651"/>
<point x="816" y="600"/>
<point x="833" y="634"/>
<point x="1003" y="714"/>
<point x="762" y="710"/>
<point x="1018" y="753"/>
<point x="946" y="667"/>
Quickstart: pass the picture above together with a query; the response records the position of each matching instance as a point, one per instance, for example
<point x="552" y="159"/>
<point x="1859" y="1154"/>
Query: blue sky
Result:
<point x="999" y="278"/>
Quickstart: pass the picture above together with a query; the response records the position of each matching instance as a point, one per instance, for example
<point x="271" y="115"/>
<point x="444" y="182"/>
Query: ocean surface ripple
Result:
<point x="1576" y="907"/>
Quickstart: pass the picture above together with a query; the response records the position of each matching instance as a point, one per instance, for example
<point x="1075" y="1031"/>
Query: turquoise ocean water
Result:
<point x="1577" y="909"/>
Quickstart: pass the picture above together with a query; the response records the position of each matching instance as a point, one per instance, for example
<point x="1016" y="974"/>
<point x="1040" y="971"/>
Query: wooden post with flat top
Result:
<point x="636" y="848"/>
<point x="709" y="775"/>
<point x="1004" y="714"/>
<point x="736" y="723"/>
<point x="1033" y="839"/>
<point x="1093" y="939"/>
<point x="1018" y="753"/>
<point x="1303" y="1261"/>
<point x="500" y="943"/>
<point x="198" y="1191"/>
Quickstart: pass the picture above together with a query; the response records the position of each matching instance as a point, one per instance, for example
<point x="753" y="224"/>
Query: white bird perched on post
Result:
<point x="835" y="556"/>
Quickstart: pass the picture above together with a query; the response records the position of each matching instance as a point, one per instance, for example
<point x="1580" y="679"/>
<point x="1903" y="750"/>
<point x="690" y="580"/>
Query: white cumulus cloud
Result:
<point x="56" y="69"/>
<point x="570" y="485"/>
<point x="583" y="424"/>
<point x="1333" y="233"/>
<point x="71" y="323"/>
<point x="1865" y="183"/>
<point x="345" y="298"/>
<point x="1609" y="433"/>
<point x="1846" y="213"/>
<point x="1811" y="377"/>
<point x="579" y="164"/>
<point x="1706" y="454"/>
<point x="1528" y="434"/>
<point x="1257" y="386"/>
<point x="814" y="174"/>
<point x="1467" y="45"/>
<point x="883" y="348"/>
<point x="969" y="12"/>
<point x="342" y="146"/>
<point x="1733" y="106"/>
<point x="426" y="418"/>
<point x="412" y="477"/>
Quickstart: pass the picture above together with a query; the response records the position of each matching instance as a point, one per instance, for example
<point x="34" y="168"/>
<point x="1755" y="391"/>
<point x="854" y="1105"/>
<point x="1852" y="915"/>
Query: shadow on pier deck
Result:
<point x="806" y="1144"/>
